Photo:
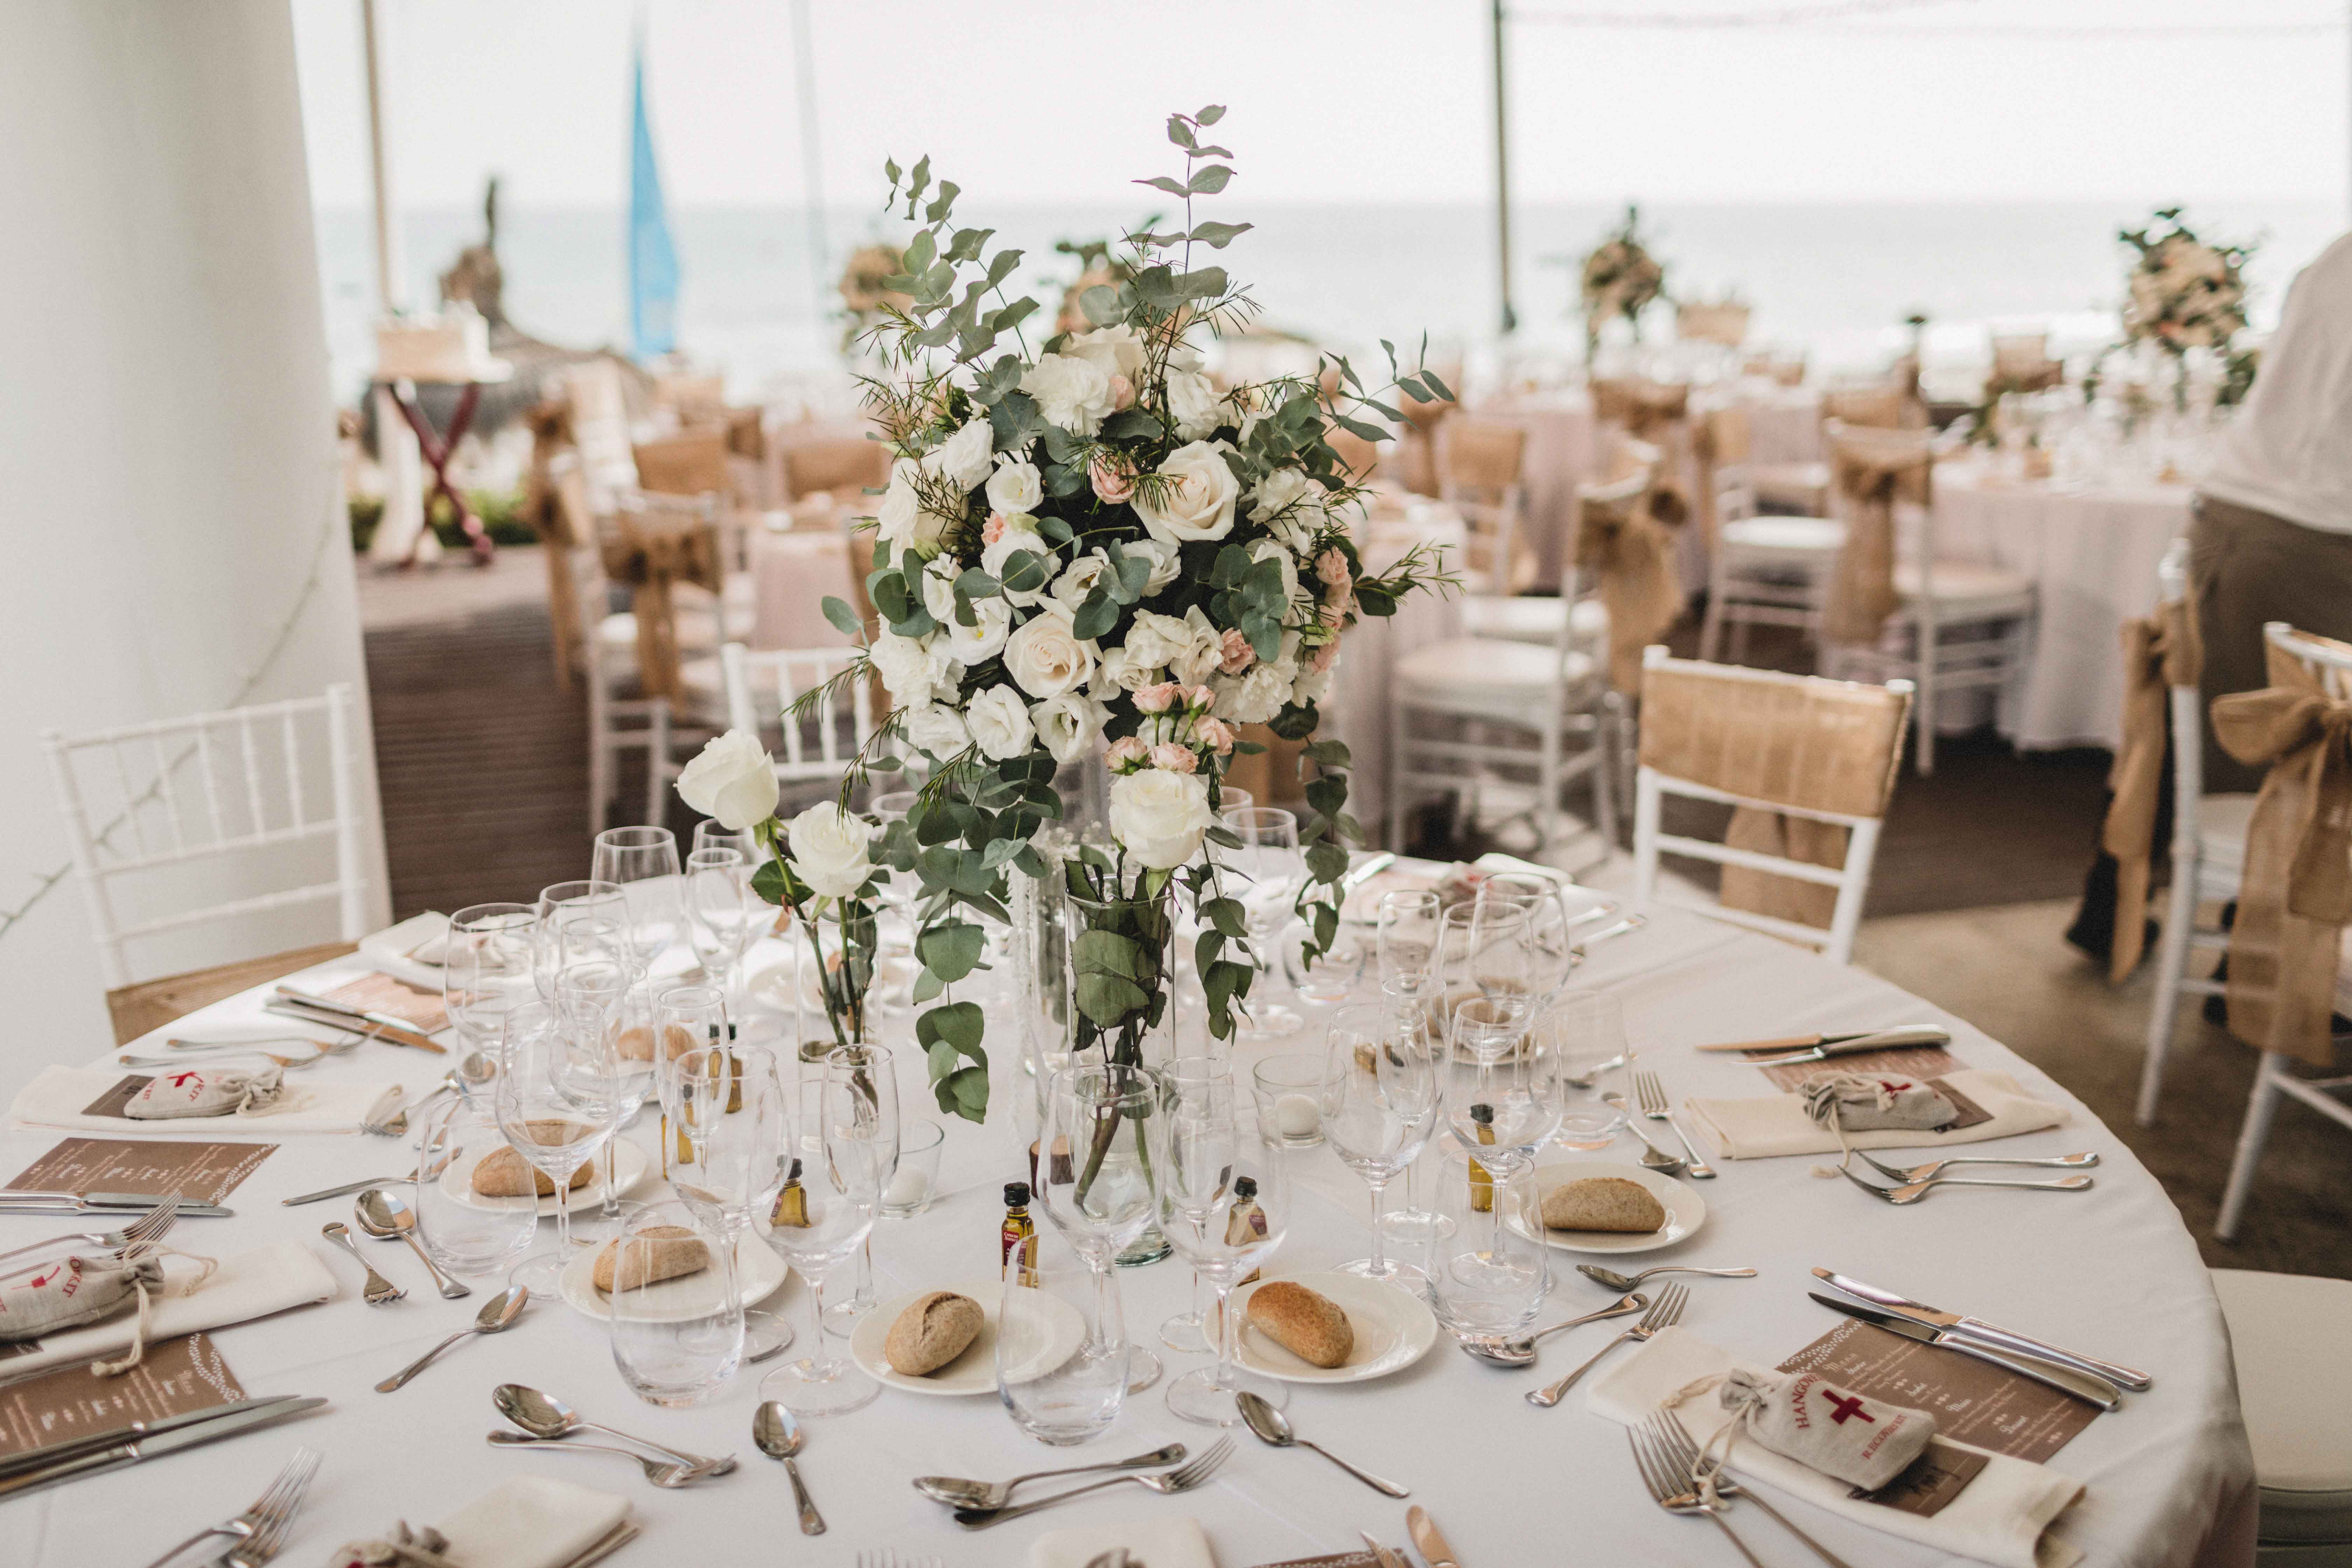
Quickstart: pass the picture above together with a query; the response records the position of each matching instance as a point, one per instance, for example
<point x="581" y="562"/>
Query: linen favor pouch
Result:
<point x="1853" y="1103"/>
<point x="1860" y="1441"/>
<point x="205" y="1091"/>
<point x="70" y="1291"/>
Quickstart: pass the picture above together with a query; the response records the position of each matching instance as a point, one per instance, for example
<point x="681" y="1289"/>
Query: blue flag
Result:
<point x="652" y="259"/>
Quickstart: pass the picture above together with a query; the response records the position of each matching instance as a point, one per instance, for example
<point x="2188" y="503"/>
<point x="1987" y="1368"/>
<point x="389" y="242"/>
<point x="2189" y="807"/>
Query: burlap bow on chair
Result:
<point x="1872" y="470"/>
<point x="1717" y="436"/>
<point x="1657" y="413"/>
<point x="1630" y="552"/>
<point x="653" y="553"/>
<point x="2159" y="653"/>
<point x="2296" y="890"/>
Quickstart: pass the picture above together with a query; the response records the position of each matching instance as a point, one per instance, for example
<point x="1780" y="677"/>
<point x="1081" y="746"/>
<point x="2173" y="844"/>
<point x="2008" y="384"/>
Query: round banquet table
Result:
<point x="2111" y="1270"/>
<point x="2091" y="552"/>
<point x="1356" y="710"/>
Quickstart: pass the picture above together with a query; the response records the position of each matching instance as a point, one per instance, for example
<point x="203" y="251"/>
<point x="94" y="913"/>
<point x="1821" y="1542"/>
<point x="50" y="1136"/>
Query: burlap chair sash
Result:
<point x="1717" y="436"/>
<point x="1625" y="549"/>
<point x="1656" y="413"/>
<point x="2296" y="890"/>
<point x="2159" y="653"/>
<point x="1871" y="470"/>
<point x="691" y="463"/>
<point x="844" y="468"/>
<point x="652" y="554"/>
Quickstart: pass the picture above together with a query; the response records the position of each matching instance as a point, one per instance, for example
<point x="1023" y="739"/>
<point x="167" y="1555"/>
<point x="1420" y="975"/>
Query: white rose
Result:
<point x="964" y="455"/>
<point x="827" y="850"/>
<point x="1253" y="697"/>
<point x="1199" y="658"/>
<point x="1159" y="815"/>
<point x="1193" y="405"/>
<point x="1068" y="724"/>
<point x="1045" y="657"/>
<point x="1015" y="487"/>
<point x="1117" y="350"/>
<point x="984" y="639"/>
<point x="912" y="669"/>
<point x="1165" y="562"/>
<point x="1072" y="393"/>
<point x="937" y="730"/>
<point x="999" y="721"/>
<point x="1121" y="671"/>
<point x="1291" y="506"/>
<point x="938" y="582"/>
<point x="1020" y="533"/>
<point x="732" y="779"/>
<point x="1154" y="639"/>
<point x="1198" y="502"/>
<point x="902" y="521"/>
<point x="1071" y="588"/>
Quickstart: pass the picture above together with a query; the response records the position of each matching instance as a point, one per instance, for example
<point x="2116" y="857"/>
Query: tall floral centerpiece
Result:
<point x="1089" y="547"/>
<point x="2186" y="296"/>
<point x="1619" y="277"/>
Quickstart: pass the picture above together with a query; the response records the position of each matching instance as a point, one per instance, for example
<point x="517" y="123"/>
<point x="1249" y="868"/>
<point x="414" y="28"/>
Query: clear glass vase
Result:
<point x="1118" y="994"/>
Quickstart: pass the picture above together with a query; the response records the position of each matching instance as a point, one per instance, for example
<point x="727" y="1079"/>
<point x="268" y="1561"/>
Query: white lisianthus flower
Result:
<point x="937" y="730"/>
<point x="1116" y="349"/>
<point x="1073" y="392"/>
<point x="1020" y="533"/>
<point x="998" y="722"/>
<point x="938" y="583"/>
<point x="913" y="669"/>
<point x="1166" y="561"/>
<point x="1193" y="405"/>
<point x="1197" y="501"/>
<point x="1045" y="656"/>
<point x="1015" y="487"/>
<point x="1312" y="686"/>
<point x="1291" y="506"/>
<point x="1121" y="671"/>
<point x="1068" y="724"/>
<point x="1159" y="815"/>
<point x="733" y="779"/>
<point x="1203" y="651"/>
<point x="1154" y="640"/>
<point x="1078" y="579"/>
<point x="984" y="639"/>
<point x="830" y="850"/>
<point x="964" y="455"/>
<point x="1256" y="696"/>
<point x="1268" y="549"/>
<point x="901" y="520"/>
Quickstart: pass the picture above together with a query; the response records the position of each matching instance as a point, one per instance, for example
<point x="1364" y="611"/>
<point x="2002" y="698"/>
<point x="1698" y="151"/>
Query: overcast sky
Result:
<point x="1340" y="100"/>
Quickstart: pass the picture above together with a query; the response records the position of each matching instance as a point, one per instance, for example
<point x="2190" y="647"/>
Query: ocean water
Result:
<point x="1835" y="280"/>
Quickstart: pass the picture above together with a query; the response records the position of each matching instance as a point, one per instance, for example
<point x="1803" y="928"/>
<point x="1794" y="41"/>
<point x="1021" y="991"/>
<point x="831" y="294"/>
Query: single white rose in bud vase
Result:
<point x="830" y="849"/>
<point x="732" y="780"/>
<point x="1161" y="817"/>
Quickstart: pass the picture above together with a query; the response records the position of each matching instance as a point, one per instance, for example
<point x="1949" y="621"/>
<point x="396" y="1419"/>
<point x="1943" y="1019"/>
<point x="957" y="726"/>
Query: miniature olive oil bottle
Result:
<point x="1246" y="1220"/>
<point x="1018" y="1239"/>
<point x="1482" y="1184"/>
<point x="792" y="1203"/>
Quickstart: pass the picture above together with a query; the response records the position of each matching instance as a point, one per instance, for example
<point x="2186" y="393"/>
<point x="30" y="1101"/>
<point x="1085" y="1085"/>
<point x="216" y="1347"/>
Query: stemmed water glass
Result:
<point x="487" y="971"/>
<point x="559" y="905"/>
<point x="1516" y="1105"/>
<point x="735" y="1135"/>
<point x="1188" y="1330"/>
<point x="686" y="1019"/>
<point x="1272" y="870"/>
<point x="1205" y="1144"/>
<point x="1102" y="1197"/>
<point x="1552" y="956"/>
<point x="1410" y="923"/>
<point x="855" y="1147"/>
<point x="724" y="914"/>
<point x="1382" y="1085"/>
<point x="643" y="861"/>
<point x="592" y="995"/>
<point x="558" y="1099"/>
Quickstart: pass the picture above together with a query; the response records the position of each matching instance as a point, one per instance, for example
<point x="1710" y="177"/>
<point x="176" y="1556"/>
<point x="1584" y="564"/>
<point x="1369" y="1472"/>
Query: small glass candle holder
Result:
<point x="1289" y="1099"/>
<point x="918" y="1176"/>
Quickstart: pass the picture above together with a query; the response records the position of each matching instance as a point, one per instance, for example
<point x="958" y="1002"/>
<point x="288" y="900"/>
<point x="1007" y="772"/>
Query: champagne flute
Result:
<point x="1410" y="924"/>
<point x="558" y="1100"/>
<point x="1207" y="1153"/>
<point x="643" y="861"/>
<point x="725" y="913"/>
<point x="1189" y="1330"/>
<point x="1381" y="1088"/>
<point x="735" y="1134"/>
<point x="559" y="903"/>
<point x="855" y="1139"/>
<point x="1268" y="860"/>
<point x="592" y="993"/>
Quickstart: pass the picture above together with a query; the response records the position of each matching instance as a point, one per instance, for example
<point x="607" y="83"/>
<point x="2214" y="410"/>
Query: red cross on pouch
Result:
<point x="1844" y="1405"/>
<point x="181" y="1079"/>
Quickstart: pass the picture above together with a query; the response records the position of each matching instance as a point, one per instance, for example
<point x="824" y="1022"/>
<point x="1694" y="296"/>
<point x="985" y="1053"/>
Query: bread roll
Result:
<point x="1603" y="1203"/>
<point x="635" y="1043"/>
<point x="1310" y="1325"/>
<point x="931" y="1332"/>
<point x="656" y="1253"/>
<point x="504" y="1174"/>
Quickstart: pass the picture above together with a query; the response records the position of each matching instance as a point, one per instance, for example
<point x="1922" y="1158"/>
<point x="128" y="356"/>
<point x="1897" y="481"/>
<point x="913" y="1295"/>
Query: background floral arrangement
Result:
<point x="1619" y="278"/>
<point x="864" y="289"/>
<point x="1091" y="546"/>
<point x="2183" y="292"/>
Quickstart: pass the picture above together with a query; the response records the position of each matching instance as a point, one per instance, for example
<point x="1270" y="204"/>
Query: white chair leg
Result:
<point x="1547" y="782"/>
<point x="1605" y="765"/>
<point x="1924" y="710"/>
<point x="2259" y="1108"/>
<point x="657" y="762"/>
<point x="2171" y="963"/>
<point x="1710" y="633"/>
<point x="1397" y="773"/>
<point x="600" y="754"/>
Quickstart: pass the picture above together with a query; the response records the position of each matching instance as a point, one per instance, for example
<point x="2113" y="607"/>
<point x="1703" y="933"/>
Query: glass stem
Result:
<point x="563" y="1216"/>
<point x="1229" y="1339"/>
<point x="817" y="1363"/>
<point x="1379" y="1207"/>
<point x="612" y="1209"/>
<point x="734" y="1285"/>
<point x="1106" y="1312"/>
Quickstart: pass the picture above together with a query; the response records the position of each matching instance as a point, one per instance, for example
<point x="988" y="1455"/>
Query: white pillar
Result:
<point x="169" y="495"/>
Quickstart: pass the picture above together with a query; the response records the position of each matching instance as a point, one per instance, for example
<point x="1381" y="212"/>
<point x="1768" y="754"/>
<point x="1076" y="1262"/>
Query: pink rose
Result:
<point x="1325" y="657"/>
<point x="1332" y="567"/>
<point x="1158" y="699"/>
<point x="1174" y="758"/>
<point x="1126" y="754"/>
<point x="1239" y="655"/>
<point x="1202" y="698"/>
<point x="1333" y="616"/>
<point x="1113" y="483"/>
<point x="1217" y="735"/>
<point x="993" y="529"/>
<point x="1122" y="393"/>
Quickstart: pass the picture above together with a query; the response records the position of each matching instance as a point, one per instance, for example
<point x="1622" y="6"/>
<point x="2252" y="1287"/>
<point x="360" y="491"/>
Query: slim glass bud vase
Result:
<point x="1119" y="975"/>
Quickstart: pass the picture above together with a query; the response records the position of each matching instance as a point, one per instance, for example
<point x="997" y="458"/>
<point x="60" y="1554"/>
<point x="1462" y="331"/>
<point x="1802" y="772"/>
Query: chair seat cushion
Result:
<point x="2291" y="1336"/>
<point x="1531" y="618"/>
<point x="1963" y="587"/>
<point x="1487" y="678"/>
<point x="1800" y="481"/>
<point x="1811" y="535"/>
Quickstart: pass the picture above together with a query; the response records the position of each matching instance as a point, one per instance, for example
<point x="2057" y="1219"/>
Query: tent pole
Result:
<point x="811" y="154"/>
<point x="391" y="285"/>
<point x="1502" y="177"/>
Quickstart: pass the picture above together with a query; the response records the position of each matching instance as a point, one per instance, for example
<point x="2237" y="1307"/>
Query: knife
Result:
<point x="65" y="1449"/>
<point x="1360" y="875"/>
<point x="1386" y="1558"/>
<point x="1425" y="1536"/>
<point x="352" y="1022"/>
<point x="15" y="1202"/>
<point x="2091" y="1390"/>
<point x="140" y="1449"/>
<point x="1977" y="1328"/>
<point x="1818" y="1047"/>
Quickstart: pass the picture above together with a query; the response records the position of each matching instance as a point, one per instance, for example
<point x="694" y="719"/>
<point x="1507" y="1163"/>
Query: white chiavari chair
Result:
<point x="823" y="742"/>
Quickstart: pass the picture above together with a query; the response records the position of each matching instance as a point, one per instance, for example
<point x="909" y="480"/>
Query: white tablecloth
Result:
<point x="2093" y="553"/>
<point x="2111" y="1271"/>
<point x="1356" y="710"/>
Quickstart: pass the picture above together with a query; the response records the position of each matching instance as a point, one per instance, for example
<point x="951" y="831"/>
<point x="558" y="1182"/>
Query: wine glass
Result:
<point x="1187" y="1331"/>
<point x="725" y="914"/>
<point x="686" y="1019"/>
<point x="559" y="903"/>
<point x="735" y="1134"/>
<point x="1212" y="1166"/>
<point x="1381" y="1087"/>
<point x="487" y="972"/>
<point x="713" y="834"/>
<point x="1554" y="955"/>
<point x="1102" y="1196"/>
<point x="590" y="995"/>
<point x="854" y="1141"/>
<point x="644" y="862"/>
<point x="558" y="1098"/>
<point x="1409" y="924"/>
<point x="1272" y="871"/>
<point x="1516" y="1105"/>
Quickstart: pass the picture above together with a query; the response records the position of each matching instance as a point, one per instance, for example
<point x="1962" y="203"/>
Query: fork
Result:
<point x="289" y="1063"/>
<point x="260" y="1529"/>
<point x="1934" y="1168"/>
<point x="148" y="1227"/>
<point x="1664" y="1313"/>
<point x="1676" y="1441"/>
<point x="1912" y="1192"/>
<point x="1167" y="1483"/>
<point x="1653" y="1095"/>
<point x="1658" y="1474"/>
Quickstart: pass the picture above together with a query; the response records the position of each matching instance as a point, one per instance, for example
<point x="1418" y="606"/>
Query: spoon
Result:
<point x="378" y="1289"/>
<point x="660" y="1474"/>
<point x="1616" y="1281"/>
<point x="1584" y="1082"/>
<point x="1272" y="1427"/>
<point x="498" y="1313"/>
<point x="383" y="1216"/>
<point x="957" y="1492"/>
<point x="544" y="1415"/>
<point x="1655" y="1158"/>
<point x="779" y="1436"/>
<point x="1498" y="1351"/>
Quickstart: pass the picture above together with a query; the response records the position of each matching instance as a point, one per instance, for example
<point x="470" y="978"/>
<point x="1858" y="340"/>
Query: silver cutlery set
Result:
<point x="384" y="1215"/>
<point x="546" y="1422"/>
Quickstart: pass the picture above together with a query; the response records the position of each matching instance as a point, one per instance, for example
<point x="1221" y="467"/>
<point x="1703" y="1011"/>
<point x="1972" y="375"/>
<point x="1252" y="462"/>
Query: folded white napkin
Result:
<point x="58" y="1095"/>
<point x="531" y="1521"/>
<point x="2002" y="1516"/>
<point x="411" y="951"/>
<point x="249" y="1285"/>
<point x="1165" y="1541"/>
<point x="1776" y="1123"/>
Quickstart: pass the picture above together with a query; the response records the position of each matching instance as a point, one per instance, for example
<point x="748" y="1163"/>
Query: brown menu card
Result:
<point x="395" y="998"/>
<point x="174" y="1378"/>
<point x="199" y="1173"/>
<point x="1902" y="1061"/>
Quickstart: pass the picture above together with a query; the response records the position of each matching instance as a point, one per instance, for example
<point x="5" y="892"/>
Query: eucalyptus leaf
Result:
<point x="838" y="612"/>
